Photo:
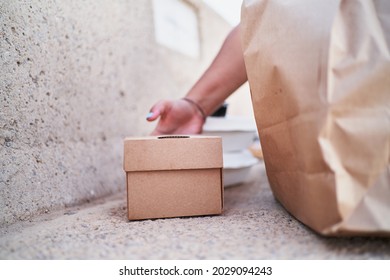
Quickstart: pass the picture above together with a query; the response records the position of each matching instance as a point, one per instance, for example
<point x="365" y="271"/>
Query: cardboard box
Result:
<point x="173" y="176"/>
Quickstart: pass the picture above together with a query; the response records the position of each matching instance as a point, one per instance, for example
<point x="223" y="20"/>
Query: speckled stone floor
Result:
<point x="253" y="226"/>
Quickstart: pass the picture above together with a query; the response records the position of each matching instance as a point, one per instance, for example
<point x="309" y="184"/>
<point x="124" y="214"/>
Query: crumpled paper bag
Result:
<point x="319" y="73"/>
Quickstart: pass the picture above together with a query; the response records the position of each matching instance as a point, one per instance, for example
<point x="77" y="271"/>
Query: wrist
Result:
<point x="196" y="106"/>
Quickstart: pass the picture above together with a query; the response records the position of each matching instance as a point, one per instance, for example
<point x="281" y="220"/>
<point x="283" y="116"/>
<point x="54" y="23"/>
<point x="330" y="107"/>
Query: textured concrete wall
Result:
<point x="76" y="77"/>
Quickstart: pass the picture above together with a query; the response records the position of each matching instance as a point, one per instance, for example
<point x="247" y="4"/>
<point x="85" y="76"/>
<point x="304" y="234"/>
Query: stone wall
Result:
<point x="76" y="77"/>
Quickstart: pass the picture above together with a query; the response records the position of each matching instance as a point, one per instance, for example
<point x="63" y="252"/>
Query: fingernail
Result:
<point x="149" y="115"/>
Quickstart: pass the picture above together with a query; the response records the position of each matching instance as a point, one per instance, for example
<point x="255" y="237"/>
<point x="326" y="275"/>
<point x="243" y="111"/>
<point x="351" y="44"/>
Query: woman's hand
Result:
<point x="176" y="117"/>
<point x="225" y="74"/>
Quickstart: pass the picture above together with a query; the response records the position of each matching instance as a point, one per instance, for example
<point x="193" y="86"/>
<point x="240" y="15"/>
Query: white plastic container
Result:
<point x="237" y="166"/>
<point x="237" y="133"/>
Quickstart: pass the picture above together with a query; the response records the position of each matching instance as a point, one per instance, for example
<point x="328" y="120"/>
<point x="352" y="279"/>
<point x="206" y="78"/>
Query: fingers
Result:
<point x="156" y="132"/>
<point x="159" y="109"/>
<point x="152" y="115"/>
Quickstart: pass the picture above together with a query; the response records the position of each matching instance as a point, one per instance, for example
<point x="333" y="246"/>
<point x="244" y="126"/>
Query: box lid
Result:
<point x="172" y="152"/>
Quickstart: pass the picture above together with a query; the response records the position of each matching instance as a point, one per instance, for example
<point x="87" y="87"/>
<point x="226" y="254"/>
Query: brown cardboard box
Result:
<point x="173" y="176"/>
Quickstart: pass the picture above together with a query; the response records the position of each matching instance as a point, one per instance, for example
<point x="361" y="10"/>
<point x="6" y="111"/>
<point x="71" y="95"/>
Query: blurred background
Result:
<point x="77" y="77"/>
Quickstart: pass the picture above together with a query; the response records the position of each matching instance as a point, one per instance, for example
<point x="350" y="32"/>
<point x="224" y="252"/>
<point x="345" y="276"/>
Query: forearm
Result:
<point x="225" y="74"/>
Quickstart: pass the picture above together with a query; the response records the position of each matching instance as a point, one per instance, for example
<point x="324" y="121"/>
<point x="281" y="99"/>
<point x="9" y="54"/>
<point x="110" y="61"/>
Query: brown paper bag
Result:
<point x="319" y="73"/>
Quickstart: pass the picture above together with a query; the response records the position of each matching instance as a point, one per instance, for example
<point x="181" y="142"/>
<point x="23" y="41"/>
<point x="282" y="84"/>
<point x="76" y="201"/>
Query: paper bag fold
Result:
<point x="319" y="73"/>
